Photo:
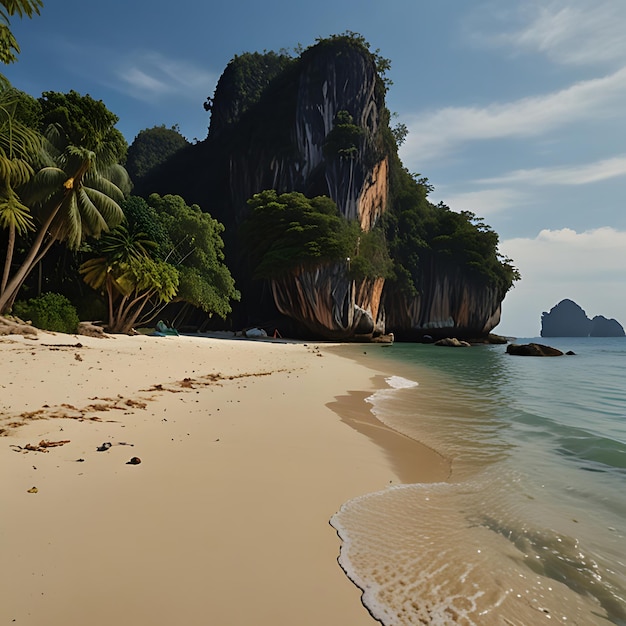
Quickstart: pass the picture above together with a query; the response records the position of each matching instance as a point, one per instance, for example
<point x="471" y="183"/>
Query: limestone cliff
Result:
<point x="318" y="125"/>
<point x="329" y="304"/>
<point x="568" y="319"/>
<point x="451" y="304"/>
<point x="295" y="156"/>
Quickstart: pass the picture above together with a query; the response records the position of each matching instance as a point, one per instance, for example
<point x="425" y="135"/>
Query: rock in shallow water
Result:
<point x="532" y="349"/>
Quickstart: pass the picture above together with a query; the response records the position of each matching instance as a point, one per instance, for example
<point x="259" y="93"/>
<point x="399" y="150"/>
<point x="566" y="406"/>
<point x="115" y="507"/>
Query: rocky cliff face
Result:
<point x="295" y="157"/>
<point x="451" y="304"/>
<point x="318" y="125"/>
<point x="329" y="304"/>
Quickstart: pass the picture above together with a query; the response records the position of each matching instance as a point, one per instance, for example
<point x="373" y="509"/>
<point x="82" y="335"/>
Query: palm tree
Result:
<point x="137" y="286"/>
<point x="17" y="146"/>
<point x="71" y="198"/>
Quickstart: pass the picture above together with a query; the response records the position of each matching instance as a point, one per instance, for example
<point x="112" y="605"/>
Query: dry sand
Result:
<point x="244" y="459"/>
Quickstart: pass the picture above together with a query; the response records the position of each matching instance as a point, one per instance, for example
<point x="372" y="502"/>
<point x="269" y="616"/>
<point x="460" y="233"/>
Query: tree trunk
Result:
<point x="8" y="259"/>
<point x="8" y="295"/>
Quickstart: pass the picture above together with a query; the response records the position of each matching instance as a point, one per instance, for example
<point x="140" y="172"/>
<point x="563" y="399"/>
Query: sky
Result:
<point x="515" y="109"/>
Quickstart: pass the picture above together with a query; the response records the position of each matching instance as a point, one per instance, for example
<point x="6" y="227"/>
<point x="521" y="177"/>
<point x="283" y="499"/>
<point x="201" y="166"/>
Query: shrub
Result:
<point x="52" y="311"/>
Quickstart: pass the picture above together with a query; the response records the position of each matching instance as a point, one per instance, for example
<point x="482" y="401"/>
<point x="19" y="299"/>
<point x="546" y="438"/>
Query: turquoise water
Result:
<point x="531" y="526"/>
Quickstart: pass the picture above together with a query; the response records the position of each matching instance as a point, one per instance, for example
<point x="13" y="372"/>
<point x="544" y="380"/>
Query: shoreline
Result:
<point x="243" y="463"/>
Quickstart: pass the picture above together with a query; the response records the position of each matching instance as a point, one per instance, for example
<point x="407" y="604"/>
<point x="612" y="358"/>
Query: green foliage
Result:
<point x="79" y="200"/>
<point x="18" y="145"/>
<point x="290" y="230"/>
<point x="27" y="109"/>
<point x="165" y="251"/>
<point x="286" y="232"/>
<point x="85" y="123"/>
<point x="197" y="250"/>
<point x="141" y="275"/>
<point x="419" y="232"/>
<point x="50" y="311"/>
<point x="78" y="185"/>
<point x="371" y="258"/>
<point x="143" y="218"/>
<point x="399" y="133"/>
<point x="357" y="40"/>
<point x="9" y="48"/>
<point x="151" y="148"/>
<point x="243" y="83"/>
<point x="343" y="140"/>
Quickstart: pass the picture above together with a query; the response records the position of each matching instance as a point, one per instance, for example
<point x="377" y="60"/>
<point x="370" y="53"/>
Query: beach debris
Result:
<point x="255" y="333"/>
<point x="42" y="446"/>
<point x="104" y="447"/>
<point x="32" y="490"/>
<point x="80" y="460"/>
<point x="134" y="461"/>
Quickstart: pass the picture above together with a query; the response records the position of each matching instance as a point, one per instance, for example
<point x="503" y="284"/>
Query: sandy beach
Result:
<point x="246" y="450"/>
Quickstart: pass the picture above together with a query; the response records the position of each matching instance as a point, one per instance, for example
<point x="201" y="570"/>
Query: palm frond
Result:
<point x="67" y="225"/>
<point x="45" y="184"/>
<point x="16" y="139"/>
<point x="14" y="214"/>
<point x="118" y="175"/>
<point x="76" y="160"/>
<point x="92" y="220"/>
<point x="20" y="7"/>
<point x="54" y="140"/>
<point x="94" y="272"/>
<point x="95" y="181"/>
<point x="110" y="210"/>
<point x="15" y="172"/>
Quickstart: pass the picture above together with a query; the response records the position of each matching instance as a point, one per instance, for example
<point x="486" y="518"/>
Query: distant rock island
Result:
<point x="568" y="319"/>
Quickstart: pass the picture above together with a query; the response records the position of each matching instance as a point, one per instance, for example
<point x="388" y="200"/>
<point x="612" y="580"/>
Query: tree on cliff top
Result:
<point x="290" y="231"/>
<point x="418" y="230"/>
<point x="152" y="147"/>
<point x="242" y="85"/>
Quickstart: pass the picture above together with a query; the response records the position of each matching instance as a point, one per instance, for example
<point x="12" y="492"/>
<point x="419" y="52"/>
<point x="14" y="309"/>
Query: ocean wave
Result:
<point x="431" y="554"/>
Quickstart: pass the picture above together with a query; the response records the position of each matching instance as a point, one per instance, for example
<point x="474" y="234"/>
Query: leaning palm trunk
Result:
<point x="9" y="293"/>
<point x="83" y="203"/>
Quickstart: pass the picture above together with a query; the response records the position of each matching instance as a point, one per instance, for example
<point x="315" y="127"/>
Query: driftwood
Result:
<point x="42" y="446"/>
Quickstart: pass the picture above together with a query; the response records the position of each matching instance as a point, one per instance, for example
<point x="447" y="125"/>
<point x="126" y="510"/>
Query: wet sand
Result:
<point x="243" y="457"/>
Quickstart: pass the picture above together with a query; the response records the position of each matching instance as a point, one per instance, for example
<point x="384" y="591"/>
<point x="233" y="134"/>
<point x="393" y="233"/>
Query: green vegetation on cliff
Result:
<point x="290" y="232"/>
<point x="420" y="232"/>
<point x="152" y="147"/>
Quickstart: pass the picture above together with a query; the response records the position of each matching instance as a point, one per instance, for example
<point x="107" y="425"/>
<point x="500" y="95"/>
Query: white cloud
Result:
<point x="587" y="267"/>
<point x="579" y="32"/>
<point x="572" y="175"/>
<point x="439" y="132"/>
<point x="152" y="75"/>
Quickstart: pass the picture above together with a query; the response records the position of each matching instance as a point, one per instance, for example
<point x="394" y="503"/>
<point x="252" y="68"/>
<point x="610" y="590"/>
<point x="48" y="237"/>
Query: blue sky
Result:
<point x="515" y="109"/>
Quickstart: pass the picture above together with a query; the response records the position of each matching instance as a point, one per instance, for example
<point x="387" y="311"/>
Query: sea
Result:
<point x="530" y="526"/>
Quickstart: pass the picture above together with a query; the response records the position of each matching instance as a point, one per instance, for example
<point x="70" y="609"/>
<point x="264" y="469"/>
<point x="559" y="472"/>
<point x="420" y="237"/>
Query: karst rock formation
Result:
<point x="274" y="130"/>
